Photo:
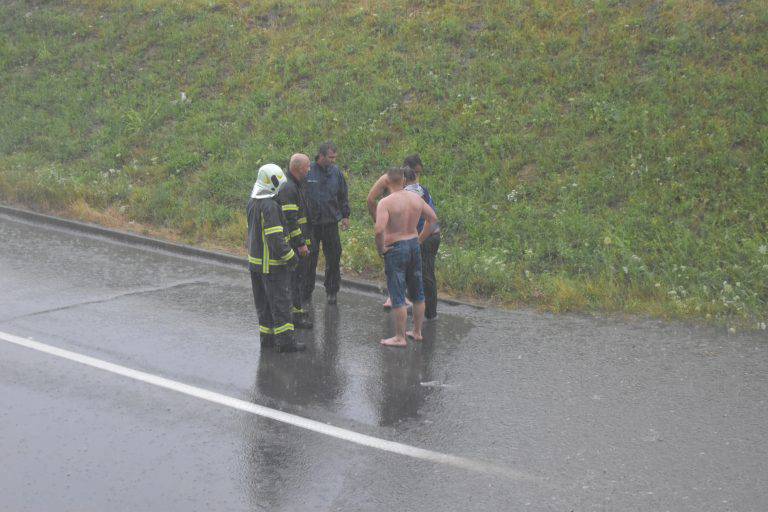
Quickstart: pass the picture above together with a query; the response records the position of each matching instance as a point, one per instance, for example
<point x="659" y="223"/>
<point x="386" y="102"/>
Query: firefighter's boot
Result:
<point x="301" y="318"/>
<point x="267" y="340"/>
<point x="288" y="343"/>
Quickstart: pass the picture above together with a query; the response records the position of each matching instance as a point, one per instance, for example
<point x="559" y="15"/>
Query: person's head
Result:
<point x="409" y="175"/>
<point x="414" y="162"/>
<point x="326" y="154"/>
<point x="396" y="177"/>
<point x="299" y="166"/>
<point x="269" y="181"/>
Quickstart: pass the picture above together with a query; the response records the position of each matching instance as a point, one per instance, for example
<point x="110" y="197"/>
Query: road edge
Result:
<point x="182" y="249"/>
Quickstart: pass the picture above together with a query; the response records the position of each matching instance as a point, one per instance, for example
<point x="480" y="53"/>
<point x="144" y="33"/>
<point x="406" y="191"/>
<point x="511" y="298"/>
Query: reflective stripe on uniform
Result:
<point x="266" y="330"/>
<point x="265" y="247"/>
<point x="296" y="232"/>
<point x="283" y="328"/>
<point x="290" y="207"/>
<point x="273" y="229"/>
<point x="271" y="262"/>
<point x="302" y="220"/>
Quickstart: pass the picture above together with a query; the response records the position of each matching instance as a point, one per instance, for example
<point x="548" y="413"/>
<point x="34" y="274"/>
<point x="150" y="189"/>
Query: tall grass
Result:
<point x="584" y="155"/>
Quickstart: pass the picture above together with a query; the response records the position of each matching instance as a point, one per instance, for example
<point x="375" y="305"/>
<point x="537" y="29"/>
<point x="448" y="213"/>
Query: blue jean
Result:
<point x="402" y="264"/>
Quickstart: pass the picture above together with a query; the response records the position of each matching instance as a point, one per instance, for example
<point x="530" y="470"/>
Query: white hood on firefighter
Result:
<point x="268" y="182"/>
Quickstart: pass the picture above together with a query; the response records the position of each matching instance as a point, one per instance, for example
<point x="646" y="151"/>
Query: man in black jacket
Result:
<point x="270" y="260"/>
<point x="327" y="205"/>
<point x="291" y="198"/>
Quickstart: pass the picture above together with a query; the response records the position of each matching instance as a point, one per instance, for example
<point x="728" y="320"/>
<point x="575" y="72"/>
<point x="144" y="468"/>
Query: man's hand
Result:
<point x="344" y="224"/>
<point x="303" y="251"/>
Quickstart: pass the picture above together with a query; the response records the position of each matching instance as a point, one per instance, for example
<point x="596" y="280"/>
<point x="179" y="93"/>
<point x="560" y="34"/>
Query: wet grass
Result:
<point x="584" y="155"/>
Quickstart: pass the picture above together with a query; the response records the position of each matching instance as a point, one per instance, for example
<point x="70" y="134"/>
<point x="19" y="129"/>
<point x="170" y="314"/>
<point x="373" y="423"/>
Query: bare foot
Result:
<point x="394" y="341"/>
<point x="388" y="303"/>
<point x="414" y="335"/>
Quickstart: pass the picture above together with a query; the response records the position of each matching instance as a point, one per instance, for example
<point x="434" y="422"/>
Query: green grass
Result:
<point x="584" y="155"/>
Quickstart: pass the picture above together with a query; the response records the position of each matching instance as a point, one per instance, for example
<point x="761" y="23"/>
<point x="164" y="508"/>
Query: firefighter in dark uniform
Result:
<point x="271" y="260"/>
<point x="327" y="205"/>
<point x="291" y="198"/>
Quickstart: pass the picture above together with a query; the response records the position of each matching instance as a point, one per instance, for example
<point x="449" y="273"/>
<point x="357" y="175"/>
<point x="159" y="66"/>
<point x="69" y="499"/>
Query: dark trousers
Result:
<point x="328" y="236"/>
<point x="298" y="281"/>
<point x="272" y="296"/>
<point x="428" y="255"/>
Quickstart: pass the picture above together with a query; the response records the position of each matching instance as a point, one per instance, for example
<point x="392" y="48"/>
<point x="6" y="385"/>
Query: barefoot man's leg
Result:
<point x="399" y="315"/>
<point x="418" y="319"/>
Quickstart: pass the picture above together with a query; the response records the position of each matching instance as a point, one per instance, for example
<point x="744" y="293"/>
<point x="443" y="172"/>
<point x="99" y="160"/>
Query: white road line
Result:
<point x="266" y="412"/>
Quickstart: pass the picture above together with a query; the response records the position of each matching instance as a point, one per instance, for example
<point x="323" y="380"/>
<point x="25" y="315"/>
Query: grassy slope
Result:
<point x="584" y="155"/>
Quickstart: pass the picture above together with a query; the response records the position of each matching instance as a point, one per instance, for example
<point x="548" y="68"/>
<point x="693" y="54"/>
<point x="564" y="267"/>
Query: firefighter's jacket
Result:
<point x="294" y="205"/>
<point x="268" y="247"/>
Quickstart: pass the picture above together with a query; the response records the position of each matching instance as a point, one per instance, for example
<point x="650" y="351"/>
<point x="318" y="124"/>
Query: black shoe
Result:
<point x="302" y="321"/>
<point x="267" y="340"/>
<point x="290" y="346"/>
<point x="331" y="298"/>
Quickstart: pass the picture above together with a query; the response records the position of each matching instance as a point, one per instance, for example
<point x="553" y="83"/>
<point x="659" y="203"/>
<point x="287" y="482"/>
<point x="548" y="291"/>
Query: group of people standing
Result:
<point x="290" y="217"/>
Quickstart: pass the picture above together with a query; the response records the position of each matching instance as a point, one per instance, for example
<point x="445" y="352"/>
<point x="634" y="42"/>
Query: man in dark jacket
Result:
<point x="291" y="198"/>
<point x="327" y="205"/>
<point x="270" y="260"/>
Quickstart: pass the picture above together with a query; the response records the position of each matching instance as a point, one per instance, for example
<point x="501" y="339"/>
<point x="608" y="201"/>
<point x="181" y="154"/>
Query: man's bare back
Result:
<point x="397" y="217"/>
<point x="403" y="209"/>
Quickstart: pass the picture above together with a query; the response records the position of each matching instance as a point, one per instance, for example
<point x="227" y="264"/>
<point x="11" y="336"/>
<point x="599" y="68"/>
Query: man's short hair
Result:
<point x="409" y="174"/>
<point x="296" y="161"/>
<point x="395" y="174"/>
<point x="412" y="161"/>
<point x="325" y="147"/>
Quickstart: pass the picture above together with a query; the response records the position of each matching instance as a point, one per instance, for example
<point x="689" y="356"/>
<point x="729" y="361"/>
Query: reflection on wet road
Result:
<point x="603" y="415"/>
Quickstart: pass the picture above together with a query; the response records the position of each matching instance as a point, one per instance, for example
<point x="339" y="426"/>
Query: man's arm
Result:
<point x="289" y="200"/>
<point x="382" y="219"/>
<point x="344" y="202"/>
<point x="430" y="217"/>
<point x="377" y="190"/>
<point x="425" y="231"/>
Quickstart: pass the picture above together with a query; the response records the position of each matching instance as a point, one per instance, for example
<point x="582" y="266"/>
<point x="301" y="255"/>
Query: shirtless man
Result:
<point x="397" y="240"/>
<point x="380" y="188"/>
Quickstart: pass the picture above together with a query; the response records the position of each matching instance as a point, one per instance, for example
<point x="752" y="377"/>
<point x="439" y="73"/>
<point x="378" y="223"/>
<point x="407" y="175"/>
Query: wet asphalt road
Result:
<point x="586" y="414"/>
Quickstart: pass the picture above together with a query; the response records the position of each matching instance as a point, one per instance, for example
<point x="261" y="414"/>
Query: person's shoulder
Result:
<point x="289" y="187"/>
<point x="387" y="200"/>
<point x="269" y="204"/>
<point x="381" y="184"/>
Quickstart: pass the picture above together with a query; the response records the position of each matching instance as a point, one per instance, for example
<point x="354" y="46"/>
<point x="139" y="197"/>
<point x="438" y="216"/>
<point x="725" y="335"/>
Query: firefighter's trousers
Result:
<point x="272" y="296"/>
